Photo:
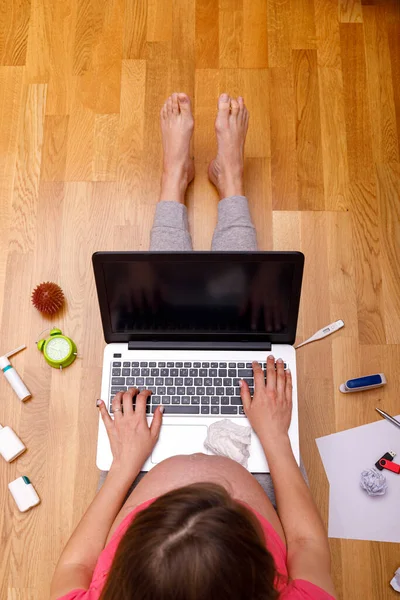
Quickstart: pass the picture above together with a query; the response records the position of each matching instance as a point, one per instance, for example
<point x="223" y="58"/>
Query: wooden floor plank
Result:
<point x="327" y="30"/>
<point x="310" y="174"/>
<point x="279" y="35"/>
<point x="130" y="135"/>
<point x="303" y="32"/>
<point x="388" y="179"/>
<point x="101" y="82"/>
<point x="14" y="33"/>
<point x="80" y="146"/>
<point x="55" y="142"/>
<point x="380" y="86"/>
<point x="357" y="113"/>
<point x="258" y="189"/>
<point x="394" y="49"/>
<point x="350" y="11"/>
<point x="159" y="20"/>
<point x="334" y="143"/>
<point x="135" y="29"/>
<point x="254" y="41"/>
<point x="89" y="18"/>
<point x="27" y="175"/>
<point x="105" y="153"/>
<point x="207" y="34"/>
<point x="362" y="198"/>
<point x="284" y="154"/>
<point x="10" y="100"/>
<point x="230" y="38"/>
<point x="59" y="23"/>
<point x="183" y="32"/>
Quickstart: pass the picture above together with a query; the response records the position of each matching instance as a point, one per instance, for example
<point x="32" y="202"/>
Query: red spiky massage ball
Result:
<point x="48" y="298"/>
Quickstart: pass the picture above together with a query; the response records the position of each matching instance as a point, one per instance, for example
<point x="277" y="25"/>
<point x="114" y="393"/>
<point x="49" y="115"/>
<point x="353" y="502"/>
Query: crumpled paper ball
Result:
<point x="373" y="482"/>
<point x="395" y="583"/>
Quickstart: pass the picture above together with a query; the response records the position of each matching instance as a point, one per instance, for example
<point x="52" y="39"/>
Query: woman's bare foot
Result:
<point x="231" y="124"/>
<point x="177" y="127"/>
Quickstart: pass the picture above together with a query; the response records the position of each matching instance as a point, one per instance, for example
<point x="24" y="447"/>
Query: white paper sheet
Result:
<point x="352" y="513"/>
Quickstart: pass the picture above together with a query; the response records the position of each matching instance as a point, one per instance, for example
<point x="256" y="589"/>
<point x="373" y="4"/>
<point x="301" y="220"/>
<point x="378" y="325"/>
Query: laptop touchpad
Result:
<point x="179" y="439"/>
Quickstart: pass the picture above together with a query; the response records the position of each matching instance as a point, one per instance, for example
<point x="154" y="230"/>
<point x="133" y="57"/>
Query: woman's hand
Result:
<point x="270" y="410"/>
<point x="131" y="439"/>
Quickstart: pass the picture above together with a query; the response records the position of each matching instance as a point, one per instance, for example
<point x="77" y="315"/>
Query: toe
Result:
<point x="169" y="106"/>
<point x="163" y="112"/>
<point x="224" y="104"/>
<point x="184" y="103"/>
<point x="234" y="107"/>
<point x="175" y="105"/>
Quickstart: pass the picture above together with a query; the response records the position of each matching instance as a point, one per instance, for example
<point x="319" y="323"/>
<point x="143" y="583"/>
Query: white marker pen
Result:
<point x="14" y="379"/>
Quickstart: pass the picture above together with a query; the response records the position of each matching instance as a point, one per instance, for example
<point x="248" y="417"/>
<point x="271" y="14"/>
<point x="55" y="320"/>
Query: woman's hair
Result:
<point x="194" y="543"/>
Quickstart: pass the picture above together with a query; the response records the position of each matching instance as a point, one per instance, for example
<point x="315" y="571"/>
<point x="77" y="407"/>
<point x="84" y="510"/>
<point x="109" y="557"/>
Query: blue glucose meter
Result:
<point x="361" y="384"/>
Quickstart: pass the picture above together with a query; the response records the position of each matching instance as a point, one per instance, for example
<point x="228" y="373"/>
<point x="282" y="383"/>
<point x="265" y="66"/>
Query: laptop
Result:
<point x="188" y="325"/>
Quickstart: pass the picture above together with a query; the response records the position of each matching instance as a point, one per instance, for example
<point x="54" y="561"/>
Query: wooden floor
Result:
<point x="81" y="84"/>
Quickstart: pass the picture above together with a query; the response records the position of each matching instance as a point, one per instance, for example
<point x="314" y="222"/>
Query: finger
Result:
<point x="259" y="379"/>
<point x="280" y="378"/>
<point x="116" y="405"/>
<point x="141" y="400"/>
<point x="107" y="420"/>
<point x="127" y="400"/>
<point x="245" y="395"/>
<point x="289" y="387"/>
<point x="271" y="375"/>
<point x="156" y="423"/>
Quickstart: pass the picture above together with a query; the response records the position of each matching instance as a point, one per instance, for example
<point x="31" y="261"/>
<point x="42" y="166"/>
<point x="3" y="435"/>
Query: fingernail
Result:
<point x="162" y="409"/>
<point x="288" y="371"/>
<point x="270" y="357"/>
<point x="280" y="361"/>
<point x="240" y="382"/>
<point x="98" y="402"/>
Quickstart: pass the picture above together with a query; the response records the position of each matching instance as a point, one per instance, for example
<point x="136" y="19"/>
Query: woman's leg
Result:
<point x="234" y="230"/>
<point x="170" y="229"/>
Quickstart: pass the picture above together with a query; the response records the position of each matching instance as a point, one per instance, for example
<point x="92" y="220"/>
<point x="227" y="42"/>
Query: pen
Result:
<point x="388" y="417"/>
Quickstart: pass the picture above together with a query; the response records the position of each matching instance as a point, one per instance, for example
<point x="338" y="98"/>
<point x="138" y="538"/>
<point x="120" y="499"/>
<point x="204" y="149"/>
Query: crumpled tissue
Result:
<point x="226" y="438"/>
<point x="395" y="583"/>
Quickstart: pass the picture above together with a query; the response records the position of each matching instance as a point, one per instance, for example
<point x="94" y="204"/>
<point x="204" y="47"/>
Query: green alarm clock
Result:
<point x="59" y="350"/>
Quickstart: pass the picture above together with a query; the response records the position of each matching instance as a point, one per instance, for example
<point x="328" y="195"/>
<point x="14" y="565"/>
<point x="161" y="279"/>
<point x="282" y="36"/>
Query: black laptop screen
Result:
<point x="249" y="298"/>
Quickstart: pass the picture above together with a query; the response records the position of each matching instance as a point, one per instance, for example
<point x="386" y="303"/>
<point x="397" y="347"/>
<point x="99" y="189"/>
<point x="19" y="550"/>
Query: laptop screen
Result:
<point x="196" y="296"/>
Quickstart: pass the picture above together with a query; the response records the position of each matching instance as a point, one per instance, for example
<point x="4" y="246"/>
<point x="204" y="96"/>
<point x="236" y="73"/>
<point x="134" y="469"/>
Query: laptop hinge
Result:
<point x="191" y="345"/>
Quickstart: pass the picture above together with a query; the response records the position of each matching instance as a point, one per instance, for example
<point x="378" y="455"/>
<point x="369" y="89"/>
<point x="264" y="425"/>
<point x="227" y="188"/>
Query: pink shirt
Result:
<point x="294" y="590"/>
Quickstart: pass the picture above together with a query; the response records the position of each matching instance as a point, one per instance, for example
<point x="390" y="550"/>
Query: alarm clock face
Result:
<point x="58" y="349"/>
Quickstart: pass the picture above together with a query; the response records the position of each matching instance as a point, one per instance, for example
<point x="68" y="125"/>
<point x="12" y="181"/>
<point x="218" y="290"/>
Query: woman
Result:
<point x="200" y="527"/>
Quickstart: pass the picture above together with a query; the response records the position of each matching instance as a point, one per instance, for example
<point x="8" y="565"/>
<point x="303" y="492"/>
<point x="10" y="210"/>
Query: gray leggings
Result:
<point x="234" y="230"/>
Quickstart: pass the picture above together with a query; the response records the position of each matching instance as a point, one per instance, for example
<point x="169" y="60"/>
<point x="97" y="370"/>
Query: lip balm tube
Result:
<point x="14" y="379"/>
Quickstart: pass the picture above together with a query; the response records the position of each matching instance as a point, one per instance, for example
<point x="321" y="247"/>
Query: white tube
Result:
<point x="14" y="379"/>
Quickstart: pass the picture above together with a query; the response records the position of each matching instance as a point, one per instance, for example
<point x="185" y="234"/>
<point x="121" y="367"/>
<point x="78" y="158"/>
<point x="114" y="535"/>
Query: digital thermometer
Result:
<point x="323" y="332"/>
<point x="363" y="383"/>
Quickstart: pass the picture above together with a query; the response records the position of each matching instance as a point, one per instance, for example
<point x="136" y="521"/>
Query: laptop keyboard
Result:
<point x="185" y="388"/>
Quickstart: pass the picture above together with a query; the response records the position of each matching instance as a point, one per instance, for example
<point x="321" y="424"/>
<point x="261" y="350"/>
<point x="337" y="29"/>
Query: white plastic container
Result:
<point x="10" y="444"/>
<point x="14" y="379"/>
<point x="23" y="493"/>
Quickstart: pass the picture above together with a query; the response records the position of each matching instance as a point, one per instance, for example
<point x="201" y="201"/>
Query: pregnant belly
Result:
<point x="179" y="471"/>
